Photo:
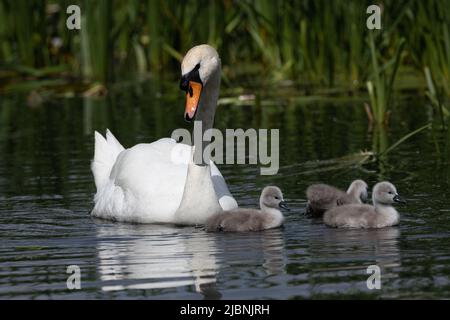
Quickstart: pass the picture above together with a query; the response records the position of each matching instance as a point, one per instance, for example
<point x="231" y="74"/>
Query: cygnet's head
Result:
<point x="358" y="187"/>
<point x="272" y="197"/>
<point x="385" y="193"/>
<point x="200" y="65"/>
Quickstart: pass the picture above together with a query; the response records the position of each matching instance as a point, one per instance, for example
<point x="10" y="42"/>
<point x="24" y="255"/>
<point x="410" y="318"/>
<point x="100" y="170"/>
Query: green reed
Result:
<point x="316" y="43"/>
<point x="381" y="86"/>
<point x="96" y="40"/>
<point x="431" y="39"/>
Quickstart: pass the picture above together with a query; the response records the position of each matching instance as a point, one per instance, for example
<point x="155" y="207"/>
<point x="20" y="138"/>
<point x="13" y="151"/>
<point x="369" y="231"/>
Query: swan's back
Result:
<point x="351" y="216"/>
<point x="380" y="215"/>
<point x="145" y="162"/>
<point x="322" y="197"/>
<point x="145" y="183"/>
<point x="240" y="219"/>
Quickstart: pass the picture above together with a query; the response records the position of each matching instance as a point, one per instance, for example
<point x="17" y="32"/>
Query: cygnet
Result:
<point x="379" y="215"/>
<point x="322" y="197"/>
<point x="244" y="219"/>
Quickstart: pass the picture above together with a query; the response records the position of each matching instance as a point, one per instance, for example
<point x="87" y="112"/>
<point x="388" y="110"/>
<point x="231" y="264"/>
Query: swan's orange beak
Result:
<point x="193" y="93"/>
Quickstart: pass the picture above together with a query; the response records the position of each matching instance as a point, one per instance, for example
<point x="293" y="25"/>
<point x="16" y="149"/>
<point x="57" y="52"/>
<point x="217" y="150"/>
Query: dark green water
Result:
<point x="46" y="192"/>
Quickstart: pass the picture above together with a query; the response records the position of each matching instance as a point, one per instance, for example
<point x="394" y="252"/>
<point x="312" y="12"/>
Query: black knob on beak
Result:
<point x="398" y="199"/>
<point x="283" y="205"/>
<point x="184" y="83"/>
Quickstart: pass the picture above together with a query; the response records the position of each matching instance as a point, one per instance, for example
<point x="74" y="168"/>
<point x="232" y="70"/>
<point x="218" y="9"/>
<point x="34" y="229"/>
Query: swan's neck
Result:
<point x="386" y="215"/>
<point x="206" y="112"/>
<point x="355" y="193"/>
<point x="273" y="217"/>
<point x="199" y="200"/>
<point x="208" y="101"/>
<point x="379" y="206"/>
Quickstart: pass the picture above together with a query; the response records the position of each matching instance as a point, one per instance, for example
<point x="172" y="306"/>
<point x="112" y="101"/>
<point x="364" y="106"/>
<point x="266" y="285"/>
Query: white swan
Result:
<point x="158" y="182"/>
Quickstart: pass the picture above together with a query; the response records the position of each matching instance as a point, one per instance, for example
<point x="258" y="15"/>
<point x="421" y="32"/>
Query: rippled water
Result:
<point x="46" y="192"/>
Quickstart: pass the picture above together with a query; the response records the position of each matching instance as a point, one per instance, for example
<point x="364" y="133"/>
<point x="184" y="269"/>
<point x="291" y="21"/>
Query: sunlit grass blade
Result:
<point x="403" y="139"/>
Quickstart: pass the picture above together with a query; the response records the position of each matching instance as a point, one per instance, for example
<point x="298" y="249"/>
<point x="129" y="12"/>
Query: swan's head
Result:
<point x="386" y="193"/>
<point x="199" y="65"/>
<point x="272" y="197"/>
<point x="358" y="188"/>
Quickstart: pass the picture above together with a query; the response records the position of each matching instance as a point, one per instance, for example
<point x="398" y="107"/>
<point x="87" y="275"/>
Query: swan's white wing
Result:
<point x="147" y="181"/>
<point x="152" y="183"/>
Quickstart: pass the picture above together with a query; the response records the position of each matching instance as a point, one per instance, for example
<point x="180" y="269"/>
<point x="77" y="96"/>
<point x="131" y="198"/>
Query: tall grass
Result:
<point x="5" y="41"/>
<point x="381" y="86"/>
<point x="96" y="40"/>
<point x="313" y="42"/>
<point x="431" y="39"/>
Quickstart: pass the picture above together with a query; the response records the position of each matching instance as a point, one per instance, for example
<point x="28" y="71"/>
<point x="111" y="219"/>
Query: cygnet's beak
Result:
<point x="398" y="199"/>
<point x="364" y="195"/>
<point x="284" y="205"/>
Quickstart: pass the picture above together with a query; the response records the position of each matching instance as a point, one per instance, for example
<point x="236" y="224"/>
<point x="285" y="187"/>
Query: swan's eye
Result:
<point x="277" y="198"/>
<point x="390" y="192"/>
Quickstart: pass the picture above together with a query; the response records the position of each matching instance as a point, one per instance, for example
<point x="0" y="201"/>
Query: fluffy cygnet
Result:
<point x="242" y="219"/>
<point x="380" y="215"/>
<point x="322" y="197"/>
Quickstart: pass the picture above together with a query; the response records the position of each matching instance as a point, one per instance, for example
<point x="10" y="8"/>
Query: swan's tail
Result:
<point x="105" y="154"/>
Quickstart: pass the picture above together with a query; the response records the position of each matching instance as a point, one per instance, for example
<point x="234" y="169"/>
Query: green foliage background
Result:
<point x="311" y="42"/>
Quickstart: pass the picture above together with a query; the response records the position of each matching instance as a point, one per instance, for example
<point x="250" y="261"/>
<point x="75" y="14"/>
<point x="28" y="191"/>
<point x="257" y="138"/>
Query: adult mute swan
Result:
<point x="159" y="182"/>
<point x="380" y="215"/>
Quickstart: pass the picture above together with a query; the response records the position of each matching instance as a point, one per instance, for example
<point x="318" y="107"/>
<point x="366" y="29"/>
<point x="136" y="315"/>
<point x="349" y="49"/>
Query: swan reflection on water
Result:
<point x="162" y="256"/>
<point x="154" y="256"/>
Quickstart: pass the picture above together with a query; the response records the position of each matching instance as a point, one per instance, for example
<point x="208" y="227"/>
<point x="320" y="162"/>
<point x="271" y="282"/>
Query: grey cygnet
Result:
<point x="243" y="219"/>
<point x="322" y="197"/>
<point x="379" y="215"/>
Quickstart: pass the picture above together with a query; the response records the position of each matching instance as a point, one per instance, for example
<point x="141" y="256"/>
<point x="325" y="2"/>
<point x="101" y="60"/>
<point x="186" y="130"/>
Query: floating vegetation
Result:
<point x="402" y="139"/>
<point x="354" y="160"/>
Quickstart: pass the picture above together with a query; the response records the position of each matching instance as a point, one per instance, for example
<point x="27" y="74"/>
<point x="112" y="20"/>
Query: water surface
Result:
<point x="46" y="192"/>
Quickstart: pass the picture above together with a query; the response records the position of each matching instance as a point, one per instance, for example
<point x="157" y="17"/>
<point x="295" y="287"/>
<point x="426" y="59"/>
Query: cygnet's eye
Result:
<point x="390" y="192"/>
<point x="277" y="198"/>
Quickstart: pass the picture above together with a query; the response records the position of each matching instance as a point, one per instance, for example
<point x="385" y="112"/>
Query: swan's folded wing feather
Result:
<point x="113" y="143"/>
<point x="147" y="172"/>
<point x="226" y="200"/>
<point x="104" y="158"/>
